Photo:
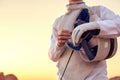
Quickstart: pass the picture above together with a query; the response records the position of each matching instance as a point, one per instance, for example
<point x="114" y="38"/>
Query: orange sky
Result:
<point x="25" y="30"/>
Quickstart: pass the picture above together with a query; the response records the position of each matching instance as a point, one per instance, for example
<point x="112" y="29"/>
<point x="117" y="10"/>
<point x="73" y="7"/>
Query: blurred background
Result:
<point x="25" y="31"/>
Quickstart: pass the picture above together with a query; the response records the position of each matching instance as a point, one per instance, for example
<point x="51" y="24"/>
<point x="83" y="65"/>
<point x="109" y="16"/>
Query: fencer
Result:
<point x="63" y="31"/>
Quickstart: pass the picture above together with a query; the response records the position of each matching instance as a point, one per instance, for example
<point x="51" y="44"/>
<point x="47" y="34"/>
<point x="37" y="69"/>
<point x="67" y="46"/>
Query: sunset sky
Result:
<point x="25" y="31"/>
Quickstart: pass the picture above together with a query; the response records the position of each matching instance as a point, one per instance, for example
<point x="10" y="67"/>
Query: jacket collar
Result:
<point x="76" y="5"/>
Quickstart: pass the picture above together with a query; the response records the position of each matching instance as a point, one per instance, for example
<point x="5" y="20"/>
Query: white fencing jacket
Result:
<point x="78" y="69"/>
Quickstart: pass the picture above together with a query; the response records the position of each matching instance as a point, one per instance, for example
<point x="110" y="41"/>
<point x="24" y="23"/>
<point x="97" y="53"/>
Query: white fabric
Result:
<point x="77" y="68"/>
<point x="109" y="22"/>
<point x="98" y="73"/>
<point x="79" y="30"/>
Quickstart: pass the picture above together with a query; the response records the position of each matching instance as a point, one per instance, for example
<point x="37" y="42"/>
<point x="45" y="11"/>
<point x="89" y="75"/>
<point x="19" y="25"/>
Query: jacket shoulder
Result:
<point x="97" y="9"/>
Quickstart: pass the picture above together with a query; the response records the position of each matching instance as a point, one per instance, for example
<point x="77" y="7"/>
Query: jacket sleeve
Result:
<point x="109" y="24"/>
<point x="55" y="52"/>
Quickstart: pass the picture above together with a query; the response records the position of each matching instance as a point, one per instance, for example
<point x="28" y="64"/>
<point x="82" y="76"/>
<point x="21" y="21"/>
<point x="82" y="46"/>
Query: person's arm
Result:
<point x="55" y="51"/>
<point x="109" y="24"/>
<point x="107" y="27"/>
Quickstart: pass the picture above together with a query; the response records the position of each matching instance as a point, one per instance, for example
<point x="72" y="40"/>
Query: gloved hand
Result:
<point x="80" y="32"/>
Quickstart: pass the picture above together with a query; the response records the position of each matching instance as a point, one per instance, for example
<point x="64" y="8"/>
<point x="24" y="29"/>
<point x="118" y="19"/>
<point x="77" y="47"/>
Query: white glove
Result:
<point x="80" y="30"/>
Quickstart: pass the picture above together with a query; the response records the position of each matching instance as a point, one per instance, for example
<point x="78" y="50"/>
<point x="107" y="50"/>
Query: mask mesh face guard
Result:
<point x="105" y="48"/>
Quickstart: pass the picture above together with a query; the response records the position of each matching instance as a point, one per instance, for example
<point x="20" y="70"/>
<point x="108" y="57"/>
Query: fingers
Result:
<point x="63" y="37"/>
<point x="73" y="37"/>
<point x="76" y="36"/>
<point x="61" y="42"/>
